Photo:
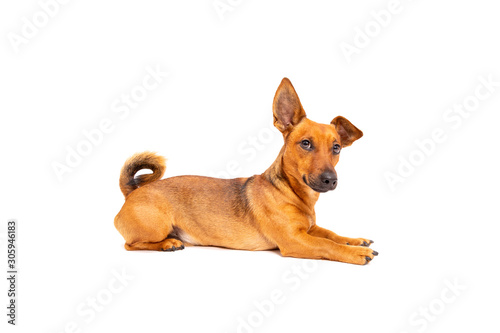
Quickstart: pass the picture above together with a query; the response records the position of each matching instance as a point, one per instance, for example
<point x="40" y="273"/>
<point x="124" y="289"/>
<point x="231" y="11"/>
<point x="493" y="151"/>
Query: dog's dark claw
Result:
<point x="174" y="248"/>
<point x="375" y="253"/>
<point x="364" y="243"/>
<point x="348" y="244"/>
<point x="368" y="259"/>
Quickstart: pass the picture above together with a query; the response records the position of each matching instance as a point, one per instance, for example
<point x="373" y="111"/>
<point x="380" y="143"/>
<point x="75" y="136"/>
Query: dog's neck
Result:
<point x="276" y="174"/>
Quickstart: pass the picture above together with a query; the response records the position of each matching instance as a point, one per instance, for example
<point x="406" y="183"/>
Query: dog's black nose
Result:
<point x="329" y="178"/>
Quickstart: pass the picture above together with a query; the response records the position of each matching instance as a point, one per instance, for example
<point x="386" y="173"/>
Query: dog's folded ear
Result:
<point x="287" y="110"/>
<point x="347" y="131"/>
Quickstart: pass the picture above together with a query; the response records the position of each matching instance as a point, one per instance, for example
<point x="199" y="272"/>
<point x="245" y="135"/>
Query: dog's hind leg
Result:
<point x="146" y="227"/>
<point x="168" y="244"/>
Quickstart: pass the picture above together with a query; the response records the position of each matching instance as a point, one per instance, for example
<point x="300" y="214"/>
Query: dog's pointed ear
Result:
<point x="347" y="131"/>
<point x="287" y="110"/>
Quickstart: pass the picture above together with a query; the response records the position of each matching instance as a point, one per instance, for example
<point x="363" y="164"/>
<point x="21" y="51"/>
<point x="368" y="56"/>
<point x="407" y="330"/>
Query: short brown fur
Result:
<point x="274" y="210"/>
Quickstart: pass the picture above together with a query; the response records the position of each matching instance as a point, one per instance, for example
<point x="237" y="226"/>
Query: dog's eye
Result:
<point x="306" y="144"/>
<point x="336" y="148"/>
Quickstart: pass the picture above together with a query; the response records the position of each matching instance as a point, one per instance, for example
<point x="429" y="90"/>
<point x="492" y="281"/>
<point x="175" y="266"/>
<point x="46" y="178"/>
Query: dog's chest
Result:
<point x="312" y="221"/>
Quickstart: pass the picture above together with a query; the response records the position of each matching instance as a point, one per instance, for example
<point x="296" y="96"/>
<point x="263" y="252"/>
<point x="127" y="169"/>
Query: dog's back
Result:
<point x="197" y="210"/>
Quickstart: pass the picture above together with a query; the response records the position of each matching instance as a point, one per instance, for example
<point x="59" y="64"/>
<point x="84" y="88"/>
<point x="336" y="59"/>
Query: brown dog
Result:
<point x="263" y="212"/>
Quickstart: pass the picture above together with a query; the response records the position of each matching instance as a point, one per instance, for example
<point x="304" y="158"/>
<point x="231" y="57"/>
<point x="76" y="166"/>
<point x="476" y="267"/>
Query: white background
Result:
<point x="438" y="227"/>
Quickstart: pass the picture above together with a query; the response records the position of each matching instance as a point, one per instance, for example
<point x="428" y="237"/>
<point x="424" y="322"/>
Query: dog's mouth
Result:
<point x="320" y="186"/>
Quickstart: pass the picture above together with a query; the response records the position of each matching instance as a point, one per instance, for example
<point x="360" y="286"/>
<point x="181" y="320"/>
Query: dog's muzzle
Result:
<point x="326" y="181"/>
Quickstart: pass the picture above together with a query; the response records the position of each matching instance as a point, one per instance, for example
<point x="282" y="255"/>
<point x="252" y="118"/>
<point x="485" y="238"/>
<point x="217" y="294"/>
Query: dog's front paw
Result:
<point x="362" y="255"/>
<point x="359" y="242"/>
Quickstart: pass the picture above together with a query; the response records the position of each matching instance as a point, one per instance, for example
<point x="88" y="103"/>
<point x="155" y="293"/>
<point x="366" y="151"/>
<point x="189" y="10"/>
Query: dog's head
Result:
<point x="311" y="149"/>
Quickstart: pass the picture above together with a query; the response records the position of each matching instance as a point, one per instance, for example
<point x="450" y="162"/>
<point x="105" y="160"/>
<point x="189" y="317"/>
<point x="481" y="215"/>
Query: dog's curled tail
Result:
<point x="139" y="161"/>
